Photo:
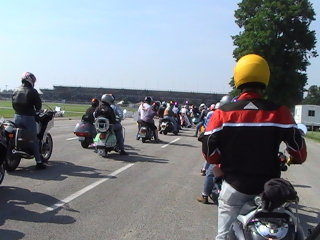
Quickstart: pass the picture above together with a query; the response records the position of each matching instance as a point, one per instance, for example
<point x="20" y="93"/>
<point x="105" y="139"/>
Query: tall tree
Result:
<point x="279" y="31"/>
<point x="313" y="96"/>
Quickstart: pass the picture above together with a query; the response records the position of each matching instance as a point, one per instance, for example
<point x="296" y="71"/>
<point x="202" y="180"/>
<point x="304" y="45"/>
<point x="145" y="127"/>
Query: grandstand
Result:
<point x="84" y="94"/>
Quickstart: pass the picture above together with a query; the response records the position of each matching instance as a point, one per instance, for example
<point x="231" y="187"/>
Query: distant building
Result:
<point x="308" y="115"/>
<point x="84" y="94"/>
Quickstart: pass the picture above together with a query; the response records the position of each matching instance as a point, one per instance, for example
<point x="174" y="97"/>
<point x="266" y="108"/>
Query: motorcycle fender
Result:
<point x="143" y="132"/>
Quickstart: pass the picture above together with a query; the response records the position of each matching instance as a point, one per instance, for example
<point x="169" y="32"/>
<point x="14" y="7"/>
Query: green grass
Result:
<point x="314" y="135"/>
<point x="71" y="110"/>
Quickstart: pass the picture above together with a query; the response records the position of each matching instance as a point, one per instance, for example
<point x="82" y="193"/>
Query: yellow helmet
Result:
<point x="251" y="68"/>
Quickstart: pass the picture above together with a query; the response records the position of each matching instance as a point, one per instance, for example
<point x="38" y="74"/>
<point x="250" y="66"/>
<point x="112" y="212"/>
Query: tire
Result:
<point x="46" y="148"/>
<point x="164" y="132"/>
<point x="116" y="148"/>
<point x="85" y="143"/>
<point x="2" y="173"/>
<point x="143" y="140"/>
<point x="11" y="161"/>
<point x="175" y="133"/>
<point x="102" y="152"/>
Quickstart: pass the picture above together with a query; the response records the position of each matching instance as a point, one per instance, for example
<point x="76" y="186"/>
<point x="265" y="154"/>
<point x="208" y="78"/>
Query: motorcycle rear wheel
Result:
<point x="11" y="162"/>
<point x="86" y="142"/>
<point x="46" y="148"/>
<point x="2" y="173"/>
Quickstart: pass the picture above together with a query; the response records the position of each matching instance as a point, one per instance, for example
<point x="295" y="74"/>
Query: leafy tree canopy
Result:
<point x="278" y="30"/>
<point x="313" y="96"/>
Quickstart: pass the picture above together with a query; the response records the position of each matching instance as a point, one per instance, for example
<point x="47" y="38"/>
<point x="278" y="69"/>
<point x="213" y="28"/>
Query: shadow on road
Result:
<point x="15" y="202"/>
<point x="11" y="234"/>
<point x="136" y="157"/>
<point x="58" y="170"/>
<point x="309" y="217"/>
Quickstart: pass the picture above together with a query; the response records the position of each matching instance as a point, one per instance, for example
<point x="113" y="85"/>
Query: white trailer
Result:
<point x="308" y="115"/>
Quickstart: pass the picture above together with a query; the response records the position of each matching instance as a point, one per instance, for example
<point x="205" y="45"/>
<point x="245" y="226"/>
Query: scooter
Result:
<point x="105" y="140"/>
<point x="167" y="126"/>
<point x="20" y="140"/>
<point x="145" y="133"/>
<point x="85" y="131"/>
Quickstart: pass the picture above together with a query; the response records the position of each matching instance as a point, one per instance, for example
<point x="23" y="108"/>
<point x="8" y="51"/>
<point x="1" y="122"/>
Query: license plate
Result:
<point x="82" y="138"/>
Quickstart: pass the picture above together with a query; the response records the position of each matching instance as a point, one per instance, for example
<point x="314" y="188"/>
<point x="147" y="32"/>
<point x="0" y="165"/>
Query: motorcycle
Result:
<point x="145" y="133"/>
<point x="167" y="126"/>
<point x="257" y="223"/>
<point x="257" y="220"/>
<point x="3" y="150"/>
<point x="85" y="131"/>
<point x="195" y="119"/>
<point x="105" y="140"/>
<point x="19" y="140"/>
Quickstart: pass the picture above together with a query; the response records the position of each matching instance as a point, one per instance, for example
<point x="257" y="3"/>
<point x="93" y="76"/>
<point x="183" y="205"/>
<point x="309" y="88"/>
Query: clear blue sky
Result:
<point x="179" y="45"/>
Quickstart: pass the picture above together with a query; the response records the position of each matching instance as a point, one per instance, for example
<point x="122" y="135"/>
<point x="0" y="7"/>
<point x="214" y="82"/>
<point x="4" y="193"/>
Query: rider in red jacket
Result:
<point x="244" y="138"/>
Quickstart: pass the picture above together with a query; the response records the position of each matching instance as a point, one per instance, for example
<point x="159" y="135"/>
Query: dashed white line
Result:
<point x="86" y="189"/>
<point x="73" y="138"/>
<point x="177" y="139"/>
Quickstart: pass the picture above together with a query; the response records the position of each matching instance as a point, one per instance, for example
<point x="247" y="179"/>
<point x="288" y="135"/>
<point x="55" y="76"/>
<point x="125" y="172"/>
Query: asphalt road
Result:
<point x="149" y="194"/>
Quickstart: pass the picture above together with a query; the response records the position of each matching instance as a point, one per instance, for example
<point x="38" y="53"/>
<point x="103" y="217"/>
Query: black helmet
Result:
<point x="28" y="77"/>
<point x="156" y="105"/>
<point x="148" y="99"/>
<point x="94" y="102"/>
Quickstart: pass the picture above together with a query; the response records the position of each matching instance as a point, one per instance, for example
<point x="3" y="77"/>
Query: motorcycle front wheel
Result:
<point x="102" y="152"/>
<point x="46" y="148"/>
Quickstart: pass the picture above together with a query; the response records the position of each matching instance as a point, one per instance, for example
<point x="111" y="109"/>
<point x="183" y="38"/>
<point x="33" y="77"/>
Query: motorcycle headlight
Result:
<point x="272" y="230"/>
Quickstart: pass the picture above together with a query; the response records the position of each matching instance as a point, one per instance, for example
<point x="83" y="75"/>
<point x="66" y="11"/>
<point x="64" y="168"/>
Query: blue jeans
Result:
<point x="117" y="128"/>
<point x="208" y="181"/>
<point x="230" y="204"/>
<point x="205" y="165"/>
<point x="29" y="123"/>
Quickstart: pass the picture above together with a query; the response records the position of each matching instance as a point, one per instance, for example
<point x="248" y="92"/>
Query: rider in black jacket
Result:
<point x="105" y="110"/>
<point x="26" y="101"/>
<point x="89" y="112"/>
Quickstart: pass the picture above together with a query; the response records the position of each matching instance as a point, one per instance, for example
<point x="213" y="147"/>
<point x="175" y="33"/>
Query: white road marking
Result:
<point x="177" y="139"/>
<point x="86" y="189"/>
<point x="73" y="138"/>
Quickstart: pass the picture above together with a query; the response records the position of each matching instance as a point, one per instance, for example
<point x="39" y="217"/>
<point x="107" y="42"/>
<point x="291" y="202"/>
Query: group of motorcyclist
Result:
<point x="237" y="132"/>
<point x="186" y="116"/>
<point x="108" y="109"/>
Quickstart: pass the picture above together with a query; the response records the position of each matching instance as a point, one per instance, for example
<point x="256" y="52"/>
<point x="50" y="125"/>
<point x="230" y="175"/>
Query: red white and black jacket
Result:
<point x="244" y="137"/>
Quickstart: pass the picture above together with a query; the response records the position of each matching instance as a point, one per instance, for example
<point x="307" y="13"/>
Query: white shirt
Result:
<point x="142" y="109"/>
